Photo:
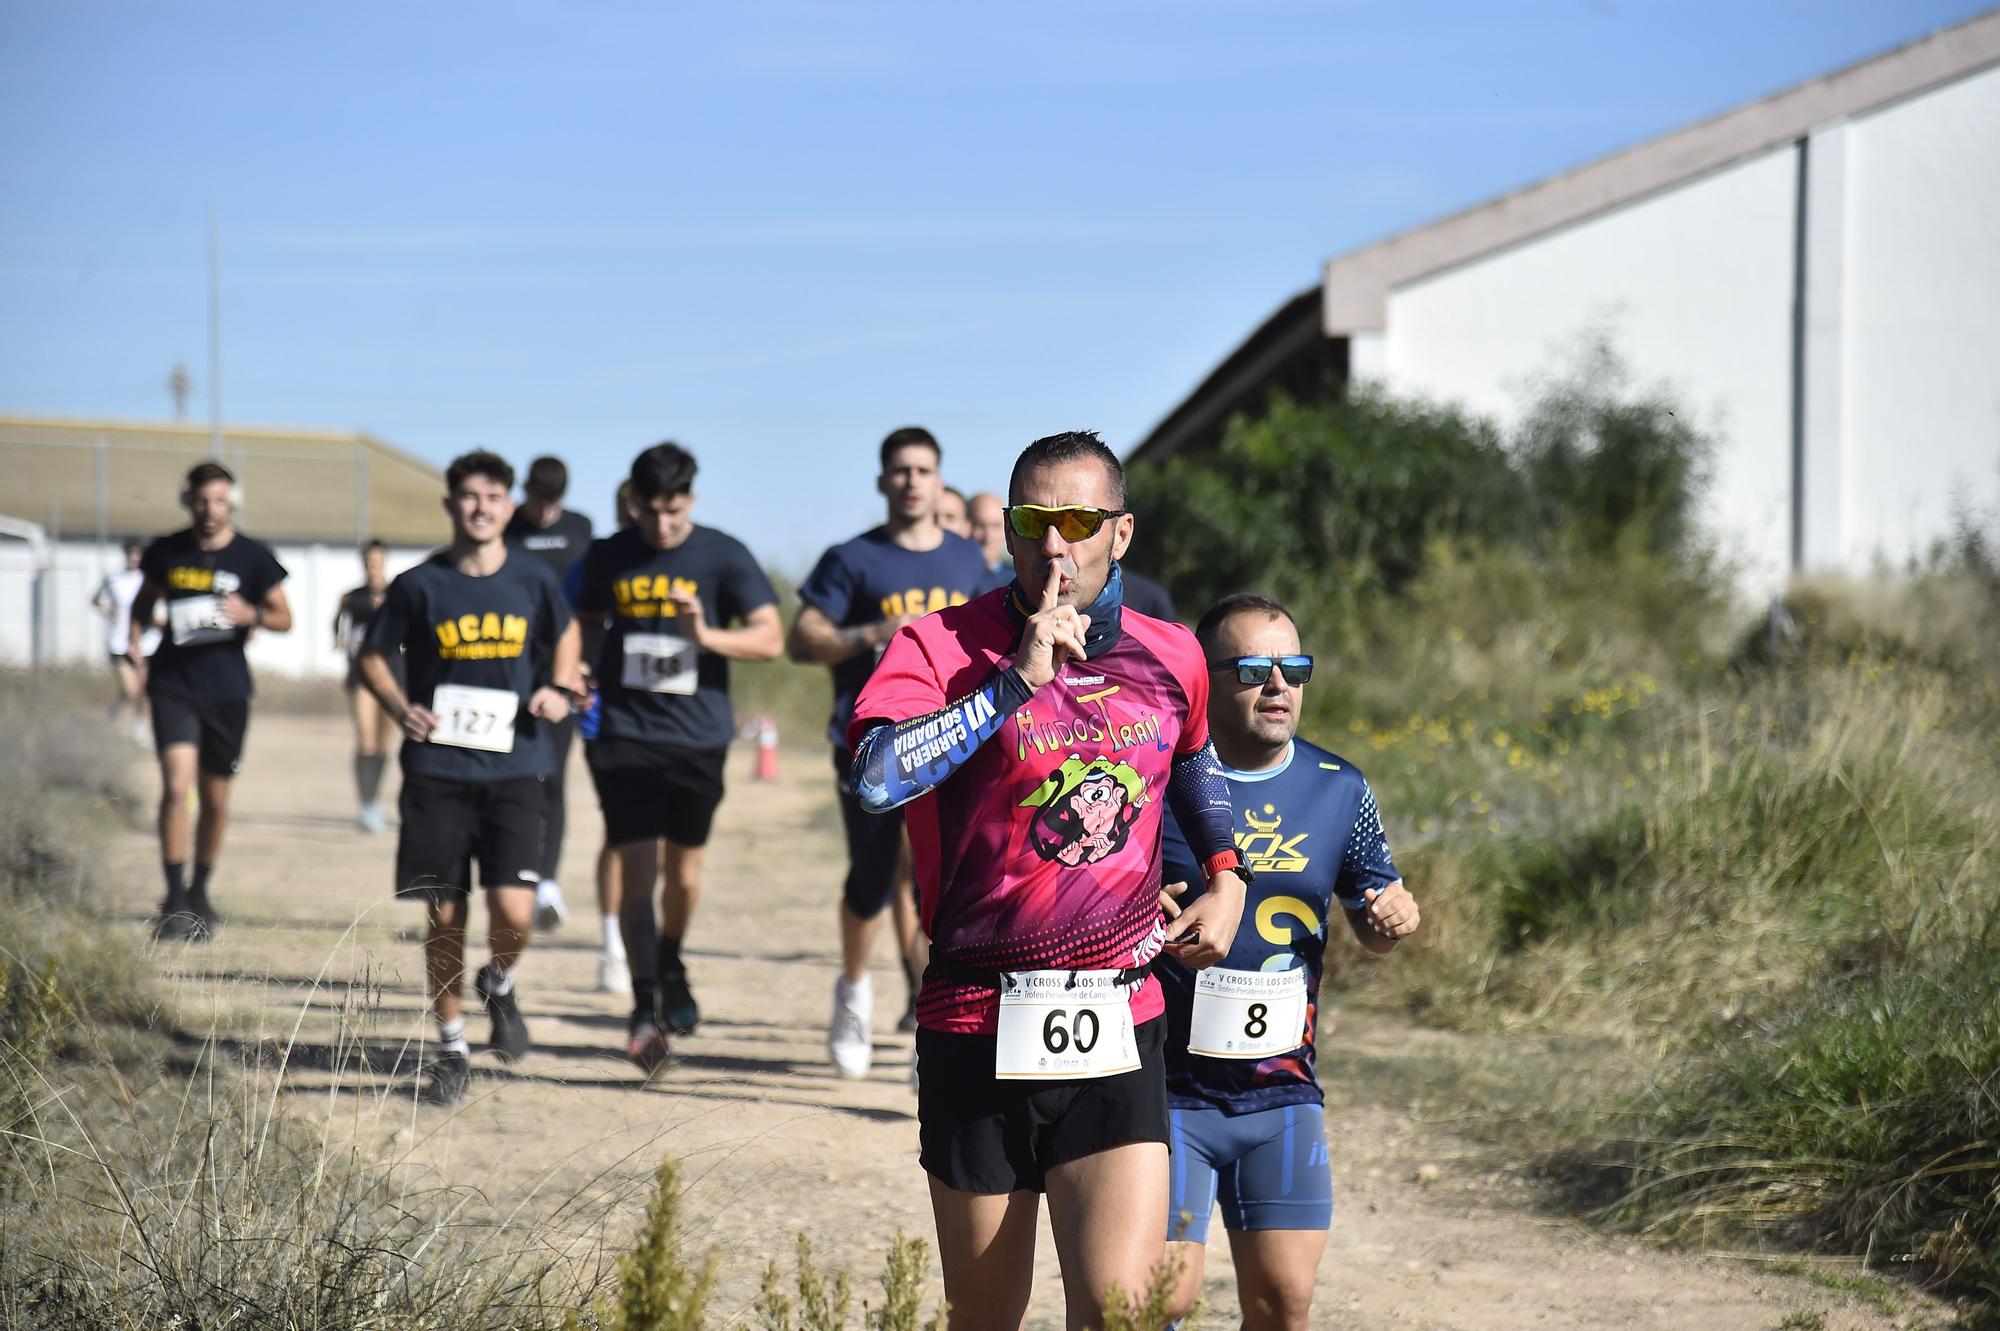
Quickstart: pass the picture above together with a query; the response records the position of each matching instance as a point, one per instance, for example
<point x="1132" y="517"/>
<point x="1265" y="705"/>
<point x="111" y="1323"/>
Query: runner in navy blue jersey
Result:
<point x="1245" y="1104"/>
<point x="852" y="603"/>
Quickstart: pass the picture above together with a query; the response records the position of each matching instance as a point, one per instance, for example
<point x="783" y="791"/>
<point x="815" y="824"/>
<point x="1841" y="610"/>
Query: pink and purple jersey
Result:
<point x="1043" y="851"/>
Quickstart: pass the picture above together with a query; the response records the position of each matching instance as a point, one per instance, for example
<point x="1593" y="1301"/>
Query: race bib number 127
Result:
<point x="1064" y="1024"/>
<point x="470" y="718"/>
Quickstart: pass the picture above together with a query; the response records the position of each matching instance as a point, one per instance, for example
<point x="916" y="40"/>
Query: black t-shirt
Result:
<point x="201" y="653"/>
<point x="357" y="612"/>
<point x="656" y="688"/>
<point x="870" y="579"/>
<point x="489" y="633"/>
<point x="557" y="545"/>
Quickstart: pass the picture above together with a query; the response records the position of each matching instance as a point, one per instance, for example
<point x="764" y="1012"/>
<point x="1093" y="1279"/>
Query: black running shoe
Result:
<point x="510" y="1032"/>
<point x="907" y="1023"/>
<point x="211" y="918"/>
<point x="448" y="1074"/>
<point x="179" y="924"/>
<point x="646" y="1045"/>
<point x="678" y="1011"/>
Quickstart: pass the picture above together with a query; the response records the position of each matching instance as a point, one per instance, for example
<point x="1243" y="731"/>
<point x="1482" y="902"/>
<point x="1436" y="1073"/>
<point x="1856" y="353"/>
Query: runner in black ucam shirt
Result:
<point x="475" y="623"/>
<point x="557" y="536"/>
<point x="656" y="602"/>
<point x="216" y="585"/>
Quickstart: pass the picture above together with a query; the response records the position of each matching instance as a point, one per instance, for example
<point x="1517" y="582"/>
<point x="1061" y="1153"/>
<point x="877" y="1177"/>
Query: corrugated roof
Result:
<point x="75" y="476"/>
<point x="1358" y="283"/>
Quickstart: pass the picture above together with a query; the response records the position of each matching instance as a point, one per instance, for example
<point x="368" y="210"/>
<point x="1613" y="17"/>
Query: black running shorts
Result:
<point x="874" y="844"/>
<point x="977" y="1133"/>
<point x="447" y="825"/>
<point x="217" y="728"/>
<point x="656" y="790"/>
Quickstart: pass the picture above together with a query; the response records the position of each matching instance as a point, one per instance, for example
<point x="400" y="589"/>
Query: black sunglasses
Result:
<point x="1296" y="670"/>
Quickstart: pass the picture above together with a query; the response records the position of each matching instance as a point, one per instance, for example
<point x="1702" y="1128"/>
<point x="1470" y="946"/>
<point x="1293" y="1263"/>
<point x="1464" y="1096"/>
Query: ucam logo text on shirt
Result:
<point x="484" y="637"/>
<point x="646" y="596"/>
<point x="191" y="579"/>
<point x="916" y="602"/>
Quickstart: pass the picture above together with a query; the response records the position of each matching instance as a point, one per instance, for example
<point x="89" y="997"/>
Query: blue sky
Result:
<point x="772" y="231"/>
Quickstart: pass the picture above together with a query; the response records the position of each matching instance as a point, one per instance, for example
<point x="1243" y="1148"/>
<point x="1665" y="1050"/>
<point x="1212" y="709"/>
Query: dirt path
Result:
<point x="318" y="958"/>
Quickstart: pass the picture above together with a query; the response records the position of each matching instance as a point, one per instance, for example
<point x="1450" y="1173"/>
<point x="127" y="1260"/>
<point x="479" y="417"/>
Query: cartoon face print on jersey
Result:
<point x="1087" y="810"/>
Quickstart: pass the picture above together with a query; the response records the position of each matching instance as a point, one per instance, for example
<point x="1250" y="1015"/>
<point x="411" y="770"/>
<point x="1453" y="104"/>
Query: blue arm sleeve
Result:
<point x="1198" y="793"/>
<point x="895" y="763"/>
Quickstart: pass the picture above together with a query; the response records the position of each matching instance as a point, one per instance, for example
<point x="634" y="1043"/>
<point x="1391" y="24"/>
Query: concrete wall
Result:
<point x="75" y="632"/>
<point x="1695" y="285"/>
<point x="1920" y="364"/>
<point x="1895" y="251"/>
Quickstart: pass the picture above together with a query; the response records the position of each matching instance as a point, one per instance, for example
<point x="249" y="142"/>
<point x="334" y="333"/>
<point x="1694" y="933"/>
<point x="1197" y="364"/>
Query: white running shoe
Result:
<point x="550" y="908"/>
<point x="848" y="1038"/>
<point x="613" y="976"/>
<point x="371" y="820"/>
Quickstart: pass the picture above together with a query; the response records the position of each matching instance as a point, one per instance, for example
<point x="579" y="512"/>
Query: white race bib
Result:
<point x="660" y="663"/>
<point x="195" y="620"/>
<point x="1064" y="1024"/>
<point x="1248" y="1014"/>
<point x="470" y="718"/>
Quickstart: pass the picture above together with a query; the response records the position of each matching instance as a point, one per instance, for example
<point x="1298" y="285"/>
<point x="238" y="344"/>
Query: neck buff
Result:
<point x="1104" y="612"/>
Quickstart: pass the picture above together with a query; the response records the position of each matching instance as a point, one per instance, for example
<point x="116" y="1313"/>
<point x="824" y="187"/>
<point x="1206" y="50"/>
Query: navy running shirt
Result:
<point x="201" y="656"/>
<point x="1311" y="834"/>
<point x="628" y="582"/>
<point x="492" y="632"/>
<point x="559" y="545"/>
<point x="870" y="579"/>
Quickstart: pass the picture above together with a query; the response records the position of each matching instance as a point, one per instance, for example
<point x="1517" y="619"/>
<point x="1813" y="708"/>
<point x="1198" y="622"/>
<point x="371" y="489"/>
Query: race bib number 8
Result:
<point x="194" y="620"/>
<point x="659" y="663"/>
<point x="1064" y="1024"/>
<point x="470" y="718"/>
<point x="1248" y="1014"/>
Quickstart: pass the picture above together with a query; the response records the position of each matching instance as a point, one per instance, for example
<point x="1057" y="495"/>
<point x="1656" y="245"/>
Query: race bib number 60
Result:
<point x="1248" y="1014"/>
<point x="1064" y="1024"/>
<point x="470" y="718"/>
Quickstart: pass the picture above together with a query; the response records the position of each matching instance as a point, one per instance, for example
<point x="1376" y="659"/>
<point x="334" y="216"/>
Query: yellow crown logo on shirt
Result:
<point x="1265" y="846"/>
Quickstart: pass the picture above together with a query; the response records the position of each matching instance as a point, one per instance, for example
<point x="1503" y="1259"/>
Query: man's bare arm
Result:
<point x="815" y="639"/>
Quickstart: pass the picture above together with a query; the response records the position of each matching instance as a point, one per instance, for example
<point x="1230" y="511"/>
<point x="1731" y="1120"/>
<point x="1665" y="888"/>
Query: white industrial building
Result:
<point x="1816" y="274"/>
<point x="72" y="491"/>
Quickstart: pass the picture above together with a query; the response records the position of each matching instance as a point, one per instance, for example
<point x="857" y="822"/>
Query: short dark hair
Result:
<point x="375" y="544"/>
<point x="958" y="494"/>
<point x="548" y="478"/>
<point x="203" y="473"/>
<point x="664" y="469"/>
<point x="1236" y="603"/>
<point x="478" y="462"/>
<point x="131" y="543"/>
<point x="907" y="437"/>
<point x="1069" y="446"/>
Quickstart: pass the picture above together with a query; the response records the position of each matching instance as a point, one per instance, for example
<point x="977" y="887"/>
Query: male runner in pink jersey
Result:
<point x="1036" y="733"/>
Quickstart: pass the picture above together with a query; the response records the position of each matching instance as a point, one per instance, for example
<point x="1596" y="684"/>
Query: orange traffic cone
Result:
<point x="767" y="748"/>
